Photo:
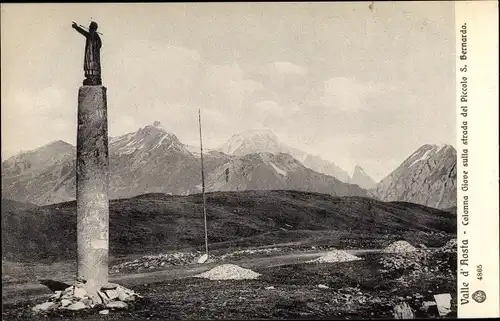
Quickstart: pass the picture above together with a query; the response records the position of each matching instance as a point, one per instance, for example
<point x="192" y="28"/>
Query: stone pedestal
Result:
<point x="92" y="171"/>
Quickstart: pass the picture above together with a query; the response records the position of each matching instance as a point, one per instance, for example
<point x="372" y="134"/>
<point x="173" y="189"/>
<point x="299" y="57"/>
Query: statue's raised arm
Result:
<point x="80" y="29"/>
<point x="92" y="60"/>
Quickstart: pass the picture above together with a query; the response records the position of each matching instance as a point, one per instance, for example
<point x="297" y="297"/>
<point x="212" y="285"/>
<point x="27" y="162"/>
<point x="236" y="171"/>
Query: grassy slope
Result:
<point x="157" y="223"/>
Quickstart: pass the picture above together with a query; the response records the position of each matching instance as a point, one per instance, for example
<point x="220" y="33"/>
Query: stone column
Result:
<point x="92" y="176"/>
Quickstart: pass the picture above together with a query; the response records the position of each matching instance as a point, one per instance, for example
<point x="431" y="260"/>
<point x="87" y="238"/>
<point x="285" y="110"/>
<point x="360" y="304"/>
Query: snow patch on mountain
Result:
<point x="277" y="169"/>
<point x="421" y="158"/>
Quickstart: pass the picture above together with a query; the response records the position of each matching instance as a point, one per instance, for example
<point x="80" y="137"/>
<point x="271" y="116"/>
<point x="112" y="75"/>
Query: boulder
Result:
<point x="403" y="311"/>
<point x="109" y="286"/>
<point x="65" y="303"/>
<point x="116" y="305"/>
<point x="125" y="294"/>
<point x="443" y="303"/>
<point x="104" y="298"/>
<point x="77" y="306"/>
<point x="111" y="294"/>
<point x="79" y="293"/>
<point x="56" y="295"/>
<point x="202" y="259"/>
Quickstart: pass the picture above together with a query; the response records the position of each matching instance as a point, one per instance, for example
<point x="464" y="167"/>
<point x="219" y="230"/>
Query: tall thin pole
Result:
<point x="203" y="186"/>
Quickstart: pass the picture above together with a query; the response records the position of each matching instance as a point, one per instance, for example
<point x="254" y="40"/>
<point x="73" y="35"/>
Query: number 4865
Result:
<point x="479" y="272"/>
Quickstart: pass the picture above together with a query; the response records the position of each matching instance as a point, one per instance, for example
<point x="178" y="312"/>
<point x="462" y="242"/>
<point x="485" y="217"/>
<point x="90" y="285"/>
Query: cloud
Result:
<point x="225" y="86"/>
<point x="341" y="94"/>
<point x="144" y="70"/>
<point x="286" y="67"/>
<point x="24" y="122"/>
<point x="269" y="108"/>
<point x="281" y="74"/>
<point x="216" y="74"/>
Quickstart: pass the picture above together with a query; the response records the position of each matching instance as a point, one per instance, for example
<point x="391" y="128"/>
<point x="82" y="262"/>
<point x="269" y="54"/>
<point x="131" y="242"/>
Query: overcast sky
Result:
<point x="338" y="80"/>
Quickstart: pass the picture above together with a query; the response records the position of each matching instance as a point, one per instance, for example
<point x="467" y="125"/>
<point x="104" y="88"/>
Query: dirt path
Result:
<point x="29" y="291"/>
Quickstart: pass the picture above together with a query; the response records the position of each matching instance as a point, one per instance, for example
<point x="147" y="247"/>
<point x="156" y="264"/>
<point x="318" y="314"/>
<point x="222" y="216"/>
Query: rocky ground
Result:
<point x="153" y="262"/>
<point x="365" y="288"/>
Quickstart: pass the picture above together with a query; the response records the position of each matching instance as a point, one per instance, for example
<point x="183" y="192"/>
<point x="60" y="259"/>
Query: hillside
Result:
<point x="12" y="206"/>
<point x="155" y="223"/>
<point x="427" y="177"/>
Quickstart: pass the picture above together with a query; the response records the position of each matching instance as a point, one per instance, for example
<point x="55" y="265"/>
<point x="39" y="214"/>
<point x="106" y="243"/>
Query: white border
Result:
<point x="481" y="18"/>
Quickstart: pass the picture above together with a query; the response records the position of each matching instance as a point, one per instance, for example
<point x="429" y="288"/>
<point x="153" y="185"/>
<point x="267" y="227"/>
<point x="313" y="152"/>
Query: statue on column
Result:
<point x="92" y="60"/>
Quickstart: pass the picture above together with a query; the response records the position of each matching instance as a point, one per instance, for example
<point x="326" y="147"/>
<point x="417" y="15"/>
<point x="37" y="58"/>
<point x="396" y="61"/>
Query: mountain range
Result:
<point x="153" y="160"/>
<point x="427" y="176"/>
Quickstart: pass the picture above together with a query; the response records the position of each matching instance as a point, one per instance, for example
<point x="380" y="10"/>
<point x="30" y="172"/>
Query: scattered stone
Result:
<point x="229" y="272"/>
<point x="109" y="286"/>
<point x="335" y="256"/>
<point x="76" y="298"/>
<point x="116" y="305"/>
<point x="248" y="252"/>
<point x="106" y="311"/>
<point x="322" y="286"/>
<point x="111" y="294"/>
<point x="449" y="247"/>
<point x="77" y="306"/>
<point x="43" y="306"/>
<point x="427" y="304"/>
<point x="403" y="311"/>
<point x="157" y="261"/>
<point x="56" y="295"/>
<point x="399" y="247"/>
<point x="184" y="258"/>
<point x="79" y="293"/>
<point x="203" y="259"/>
<point x="65" y="303"/>
<point x="104" y="298"/>
<point x="443" y="302"/>
<point x="125" y="294"/>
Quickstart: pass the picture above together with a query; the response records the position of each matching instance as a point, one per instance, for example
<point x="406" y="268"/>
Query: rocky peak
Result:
<point x="147" y="138"/>
<point x="428" y="177"/>
<point x="360" y="178"/>
<point x="252" y="141"/>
